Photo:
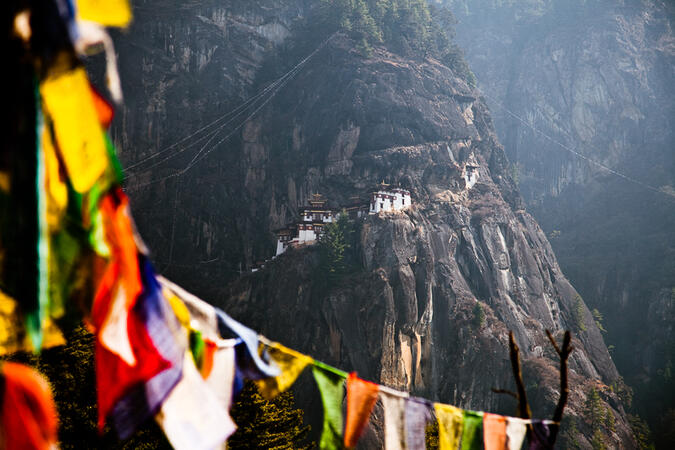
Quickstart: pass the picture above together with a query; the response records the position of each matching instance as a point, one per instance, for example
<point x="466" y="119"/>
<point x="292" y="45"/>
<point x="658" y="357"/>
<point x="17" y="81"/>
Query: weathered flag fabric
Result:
<point x="27" y="413"/>
<point x="290" y="363"/>
<point x="494" y="432"/>
<point x="516" y="429"/>
<point x="394" y="406"/>
<point x="417" y="415"/>
<point x="191" y="416"/>
<point x="450" y="426"/>
<point x="472" y="435"/>
<point x="331" y="387"/>
<point x="543" y="435"/>
<point x="361" y="398"/>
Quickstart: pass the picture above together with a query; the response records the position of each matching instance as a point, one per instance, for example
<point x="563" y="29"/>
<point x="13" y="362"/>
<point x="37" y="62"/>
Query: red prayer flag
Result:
<point x="361" y="398"/>
<point x="28" y="414"/>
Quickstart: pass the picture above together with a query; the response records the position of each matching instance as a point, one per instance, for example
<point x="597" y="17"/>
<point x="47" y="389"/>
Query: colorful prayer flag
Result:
<point x="221" y="377"/>
<point x="144" y="399"/>
<point x="516" y="429"/>
<point x="331" y="386"/>
<point x="191" y="416"/>
<point x="29" y="418"/>
<point x="450" y="426"/>
<point x="112" y="13"/>
<point x="290" y="363"/>
<point x="543" y="435"/>
<point x="393" y="404"/>
<point x="417" y="414"/>
<point x="494" y="432"/>
<point x="472" y="435"/>
<point x="79" y="137"/>
<point x="361" y="398"/>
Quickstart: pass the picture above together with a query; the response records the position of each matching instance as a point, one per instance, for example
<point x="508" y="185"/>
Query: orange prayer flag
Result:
<point x="494" y="432"/>
<point x="104" y="110"/>
<point x="120" y="236"/>
<point x="361" y="398"/>
<point x="29" y="417"/>
<point x="207" y="364"/>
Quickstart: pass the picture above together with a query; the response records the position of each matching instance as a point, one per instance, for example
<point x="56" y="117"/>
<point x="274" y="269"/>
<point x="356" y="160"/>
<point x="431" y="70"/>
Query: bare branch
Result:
<point x="523" y="406"/>
<point x="505" y="391"/>
<point x="553" y="342"/>
<point x="564" y="388"/>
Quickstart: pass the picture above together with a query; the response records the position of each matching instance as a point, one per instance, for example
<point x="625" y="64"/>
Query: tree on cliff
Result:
<point x="268" y="424"/>
<point x="336" y="248"/>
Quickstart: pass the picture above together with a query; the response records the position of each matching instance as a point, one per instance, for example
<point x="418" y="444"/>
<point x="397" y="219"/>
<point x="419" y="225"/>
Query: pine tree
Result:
<point x="579" y="314"/>
<point x="268" y="424"/>
<point x="594" y="411"/>
<point x="71" y="374"/>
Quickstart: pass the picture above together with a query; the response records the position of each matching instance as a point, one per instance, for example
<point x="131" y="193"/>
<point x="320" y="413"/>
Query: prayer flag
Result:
<point x="207" y="358"/>
<point x="191" y="416"/>
<point x="516" y="429"/>
<point x="200" y="314"/>
<point x="417" y="414"/>
<point x="494" y="432"/>
<point x="252" y="364"/>
<point x="393" y="404"/>
<point x="69" y="105"/>
<point x="361" y="398"/>
<point x="221" y="377"/>
<point x="290" y="363"/>
<point x="331" y="387"/>
<point x="472" y="435"/>
<point x="57" y="191"/>
<point x="543" y="435"/>
<point x="214" y="324"/>
<point x="115" y="376"/>
<point x="144" y="400"/>
<point x="112" y="13"/>
<point x="29" y="418"/>
<point x="13" y="336"/>
<point x="450" y="426"/>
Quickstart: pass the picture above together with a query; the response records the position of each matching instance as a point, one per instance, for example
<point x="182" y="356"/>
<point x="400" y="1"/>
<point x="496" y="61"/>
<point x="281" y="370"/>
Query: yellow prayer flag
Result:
<point x="13" y="337"/>
<point x="450" y="424"/>
<point x="178" y="307"/>
<point x="68" y="102"/>
<point x="57" y="191"/>
<point x="291" y="364"/>
<point x="111" y="13"/>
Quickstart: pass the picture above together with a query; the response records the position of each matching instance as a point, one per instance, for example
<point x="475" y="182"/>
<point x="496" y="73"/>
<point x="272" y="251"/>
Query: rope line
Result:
<point x="243" y="106"/>
<point x="580" y="155"/>
<point x="200" y="155"/>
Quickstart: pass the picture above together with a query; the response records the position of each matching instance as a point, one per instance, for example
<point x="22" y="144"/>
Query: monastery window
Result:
<point x="403" y="201"/>
<point x="381" y="205"/>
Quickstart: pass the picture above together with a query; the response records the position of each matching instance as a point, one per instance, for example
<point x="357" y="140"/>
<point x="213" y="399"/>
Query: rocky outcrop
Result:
<point x="408" y="313"/>
<point x="597" y="78"/>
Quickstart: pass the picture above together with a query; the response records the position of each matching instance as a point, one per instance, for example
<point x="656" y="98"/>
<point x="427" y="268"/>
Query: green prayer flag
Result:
<point x="331" y="386"/>
<point x="197" y="346"/>
<point x="472" y="437"/>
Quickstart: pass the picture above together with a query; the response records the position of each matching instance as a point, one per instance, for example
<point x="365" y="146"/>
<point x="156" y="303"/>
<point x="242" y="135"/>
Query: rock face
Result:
<point x="433" y="289"/>
<point x="596" y="77"/>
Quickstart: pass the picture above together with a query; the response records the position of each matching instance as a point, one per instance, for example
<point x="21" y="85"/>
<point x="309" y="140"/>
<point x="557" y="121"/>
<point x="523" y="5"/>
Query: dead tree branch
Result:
<point x="521" y="396"/>
<point x="505" y="391"/>
<point x="524" y="410"/>
<point x="564" y="354"/>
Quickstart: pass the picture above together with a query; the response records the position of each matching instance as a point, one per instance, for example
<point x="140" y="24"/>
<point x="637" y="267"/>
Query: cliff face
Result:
<point x="408" y="313"/>
<point x="596" y="77"/>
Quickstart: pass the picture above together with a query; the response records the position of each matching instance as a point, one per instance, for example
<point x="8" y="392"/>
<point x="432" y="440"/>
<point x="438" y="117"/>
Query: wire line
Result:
<point x="580" y="155"/>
